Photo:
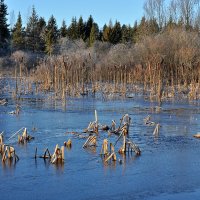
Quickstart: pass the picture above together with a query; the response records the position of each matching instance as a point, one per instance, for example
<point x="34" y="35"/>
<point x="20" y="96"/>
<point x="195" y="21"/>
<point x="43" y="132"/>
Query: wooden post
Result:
<point x="112" y="154"/>
<point x="1" y="138"/>
<point x="4" y="156"/>
<point x="69" y="143"/>
<point x="2" y="148"/>
<point x="105" y="146"/>
<point x="96" y="122"/>
<point x="25" y="134"/>
<point x="124" y="142"/>
<point x="19" y="138"/>
<point x="104" y="149"/>
<point x="9" y="153"/>
<point x="63" y="152"/>
<point x="56" y="149"/>
<point x="114" y="157"/>
<point x="55" y="156"/>
<point x="112" y="148"/>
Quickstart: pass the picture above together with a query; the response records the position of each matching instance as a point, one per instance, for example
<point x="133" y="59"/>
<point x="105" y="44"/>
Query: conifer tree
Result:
<point x="126" y="34"/>
<point x="81" y="28"/>
<point x="4" y="31"/>
<point x="88" y="28"/>
<point x="63" y="29"/>
<point x="72" y="30"/>
<point x="41" y="30"/>
<point x="153" y="27"/>
<point x="106" y="33"/>
<point x="32" y="34"/>
<point x="100" y="37"/>
<point x="116" y="33"/>
<point x="94" y="34"/>
<point x="134" y="32"/>
<point x="51" y="35"/>
<point x="18" y="34"/>
<point x="142" y="30"/>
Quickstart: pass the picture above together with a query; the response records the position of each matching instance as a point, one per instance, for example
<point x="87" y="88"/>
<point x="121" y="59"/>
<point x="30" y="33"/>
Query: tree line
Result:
<point x="41" y="36"/>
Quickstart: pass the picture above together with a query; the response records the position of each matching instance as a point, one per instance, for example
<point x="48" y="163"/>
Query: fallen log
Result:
<point x="104" y="148"/>
<point x="91" y="141"/>
<point x="133" y="146"/>
<point x="111" y="154"/>
<point x="1" y="138"/>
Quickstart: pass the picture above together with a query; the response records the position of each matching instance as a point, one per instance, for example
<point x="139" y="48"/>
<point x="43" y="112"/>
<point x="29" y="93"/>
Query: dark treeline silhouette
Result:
<point x="160" y="53"/>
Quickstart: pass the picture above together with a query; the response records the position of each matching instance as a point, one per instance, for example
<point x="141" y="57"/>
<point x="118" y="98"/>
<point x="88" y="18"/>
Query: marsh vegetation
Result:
<point x="157" y="56"/>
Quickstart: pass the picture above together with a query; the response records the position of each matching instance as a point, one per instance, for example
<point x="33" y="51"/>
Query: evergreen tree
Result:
<point x="18" y="34"/>
<point x="126" y="34"/>
<point x="146" y="28"/>
<point x="41" y="30"/>
<point x="100" y="37"/>
<point x="116" y="33"/>
<point x="41" y="24"/>
<point x="51" y="35"/>
<point x="94" y="34"/>
<point x="81" y="29"/>
<point x="142" y="30"/>
<point x="4" y="31"/>
<point x="106" y="33"/>
<point x="88" y="27"/>
<point x="63" y="29"/>
<point x="134" y="32"/>
<point x="32" y="34"/>
<point x="72" y="30"/>
<point x="110" y="24"/>
<point x="153" y="27"/>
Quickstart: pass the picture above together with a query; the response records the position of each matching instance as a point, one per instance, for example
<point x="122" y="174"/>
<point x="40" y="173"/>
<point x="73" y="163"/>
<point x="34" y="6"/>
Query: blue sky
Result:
<point x="125" y="11"/>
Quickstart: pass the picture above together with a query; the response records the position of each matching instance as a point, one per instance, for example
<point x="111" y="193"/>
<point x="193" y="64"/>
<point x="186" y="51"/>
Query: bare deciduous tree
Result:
<point x="187" y="10"/>
<point x="149" y="9"/>
<point x="155" y="9"/>
<point x="173" y="10"/>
